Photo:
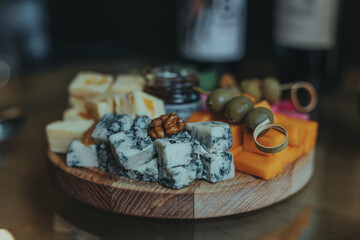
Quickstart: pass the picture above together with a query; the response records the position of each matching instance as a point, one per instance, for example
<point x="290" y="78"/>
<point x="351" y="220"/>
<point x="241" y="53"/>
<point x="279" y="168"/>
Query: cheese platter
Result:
<point x="119" y="148"/>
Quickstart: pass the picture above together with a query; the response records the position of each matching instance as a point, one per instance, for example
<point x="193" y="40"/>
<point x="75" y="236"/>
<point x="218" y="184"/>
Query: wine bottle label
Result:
<point x="306" y="24"/>
<point x="213" y="31"/>
<point x="183" y="110"/>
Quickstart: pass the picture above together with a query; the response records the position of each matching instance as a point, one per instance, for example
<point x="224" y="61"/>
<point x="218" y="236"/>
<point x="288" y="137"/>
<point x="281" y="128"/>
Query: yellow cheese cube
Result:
<point x="101" y="105"/>
<point x="77" y="102"/>
<point x="120" y="102"/>
<point x="90" y="84"/>
<point x="128" y="82"/>
<point x="137" y="103"/>
<point x="72" y="114"/>
<point x="61" y="133"/>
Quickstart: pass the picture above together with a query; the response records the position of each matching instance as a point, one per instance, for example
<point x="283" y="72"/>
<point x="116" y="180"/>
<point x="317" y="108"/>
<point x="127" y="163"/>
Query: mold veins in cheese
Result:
<point x="176" y="152"/>
<point x="217" y="166"/>
<point x="133" y="148"/>
<point x="80" y="155"/>
<point x="137" y="103"/>
<point x="176" y="177"/>
<point x="90" y="84"/>
<point x="179" y="161"/>
<point x="147" y="172"/>
<point x="142" y="122"/>
<point x="128" y="82"/>
<point x="61" y="133"/>
<point x="107" y="161"/>
<point x="214" y="136"/>
<point x="111" y="124"/>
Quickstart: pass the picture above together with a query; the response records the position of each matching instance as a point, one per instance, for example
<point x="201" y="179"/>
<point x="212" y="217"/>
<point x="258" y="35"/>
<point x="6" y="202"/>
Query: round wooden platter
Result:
<point x="200" y="199"/>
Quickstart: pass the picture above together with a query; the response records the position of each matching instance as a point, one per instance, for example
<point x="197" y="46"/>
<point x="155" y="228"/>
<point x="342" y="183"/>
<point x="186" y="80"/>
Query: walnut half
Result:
<point x="166" y="124"/>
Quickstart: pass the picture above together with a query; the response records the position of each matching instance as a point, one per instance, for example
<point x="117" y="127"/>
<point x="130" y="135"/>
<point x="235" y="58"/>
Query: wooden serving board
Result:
<point x="200" y="199"/>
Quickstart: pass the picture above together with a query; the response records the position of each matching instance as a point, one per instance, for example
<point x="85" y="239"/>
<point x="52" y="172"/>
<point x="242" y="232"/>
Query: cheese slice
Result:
<point x="72" y="114"/>
<point x="61" y="133"/>
<point x="128" y="82"/>
<point x="137" y="103"/>
<point x="90" y="84"/>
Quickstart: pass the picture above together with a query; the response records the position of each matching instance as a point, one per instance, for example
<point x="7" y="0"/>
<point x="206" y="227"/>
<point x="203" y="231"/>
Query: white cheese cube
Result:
<point x="80" y="155"/>
<point x="107" y="161"/>
<point x="97" y="108"/>
<point x="137" y="103"/>
<point x="120" y="103"/>
<point x="217" y="166"/>
<point x="110" y="124"/>
<point x="176" y="152"/>
<point x="90" y="84"/>
<point x="100" y="105"/>
<point x="215" y="137"/>
<point x="61" y="133"/>
<point x="132" y="148"/>
<point x="77" y="102"/>
<point x="128" y="82"/>
<point x="177" y="177"/>
<point x="147" y="172"/>
<point x="72" y="114"/>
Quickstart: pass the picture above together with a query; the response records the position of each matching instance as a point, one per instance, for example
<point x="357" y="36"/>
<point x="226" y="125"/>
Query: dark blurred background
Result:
<point x="38" y="34"/>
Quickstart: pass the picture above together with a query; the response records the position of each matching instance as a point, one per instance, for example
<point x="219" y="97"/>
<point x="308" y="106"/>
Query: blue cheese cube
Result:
<point x="111" y="124"/>
<point x="215" y="137"/>
<point x="142" y="122"/>
<point x="147" y="172"/>
<point x="180" y="135"/>
<point x="80" y="155"/>
<point x="175" y="152"/>
<point x="177" y="177"/>
<point x="133" y="148"/>
<point x="107" y="161"/>
<point x="217" y="166"/>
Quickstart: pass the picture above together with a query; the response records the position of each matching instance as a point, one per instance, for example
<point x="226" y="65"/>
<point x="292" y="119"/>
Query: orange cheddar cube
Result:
<point x="259" y="165"/>
<point x="236" y="150"/>
<point x="270" y="139"/>
<point x="201" y="116"/>
<point x="307" y="132"/>
<point x="236" y="131"/>
<point x="264" y="166"/>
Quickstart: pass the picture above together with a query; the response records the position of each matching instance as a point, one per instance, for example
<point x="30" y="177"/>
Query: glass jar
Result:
<point x="174" y="85"/>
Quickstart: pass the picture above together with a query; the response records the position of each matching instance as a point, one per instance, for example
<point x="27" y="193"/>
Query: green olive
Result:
<point x="237" y="108"/>
<point x="257" y="116"/>
<point x="233" y="89"/>
<point x="271" y="90"/>
<point x="218" y="99"/>
<point x="252" y="87"/>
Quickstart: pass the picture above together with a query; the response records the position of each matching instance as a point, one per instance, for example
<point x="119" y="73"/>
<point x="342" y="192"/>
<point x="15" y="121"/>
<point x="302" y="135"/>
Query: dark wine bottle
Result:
<point x="212" y="33"/>
<point x="307" y="35"/>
